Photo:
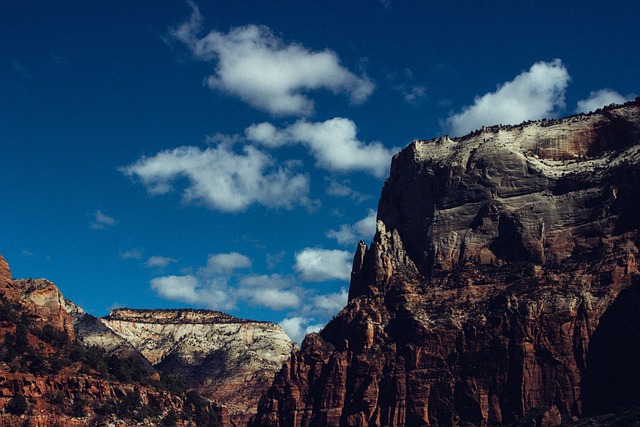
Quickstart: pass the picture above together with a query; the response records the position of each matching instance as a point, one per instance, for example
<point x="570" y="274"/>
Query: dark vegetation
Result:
<point x="28" y="348"/>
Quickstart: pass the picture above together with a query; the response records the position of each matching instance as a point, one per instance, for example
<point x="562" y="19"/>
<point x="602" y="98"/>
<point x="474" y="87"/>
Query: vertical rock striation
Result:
<point x="501" y="286"/>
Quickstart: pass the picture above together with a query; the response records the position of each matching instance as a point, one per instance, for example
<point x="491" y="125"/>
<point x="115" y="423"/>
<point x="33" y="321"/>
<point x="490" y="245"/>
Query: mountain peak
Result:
<point x="495" y="287"/>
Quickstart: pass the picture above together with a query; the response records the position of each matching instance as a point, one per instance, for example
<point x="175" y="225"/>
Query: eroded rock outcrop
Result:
<point x="40" y="298"/>
<point x="230" y="360"/>
<point x="496" y="289"/>
<point x="55" y="380"/>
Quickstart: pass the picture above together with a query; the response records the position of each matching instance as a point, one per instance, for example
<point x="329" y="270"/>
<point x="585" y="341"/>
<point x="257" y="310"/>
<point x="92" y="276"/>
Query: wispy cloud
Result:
<point x="600" y="98"/>
<point x="266" y="72"/>
<point x="158" y="261"/>
<point x="343" y="189"/>
<point x="102" y="221"/>
<point x="348" y="234"/>
<point x="132" y="254"/>
<point x="273" y="260"/>
<point x="333" y="143"/>
<point x="533" y="94"/>
<point x="404" y="83"/>
<point x="223" y="179"/>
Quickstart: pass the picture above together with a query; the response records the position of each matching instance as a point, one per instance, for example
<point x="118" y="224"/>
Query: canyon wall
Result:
<point x="501" y="286"/>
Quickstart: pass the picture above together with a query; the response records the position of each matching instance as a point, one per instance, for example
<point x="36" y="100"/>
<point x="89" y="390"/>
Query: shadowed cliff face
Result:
<point x="495" y="259"/>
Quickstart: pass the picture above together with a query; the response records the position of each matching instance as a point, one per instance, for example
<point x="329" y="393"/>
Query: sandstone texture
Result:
<point x="227" y="360"/>
<point x="41" y="362"/>
<point x="230" y="360"/>
<point x="40" y="298"/>
<point x="501" y="287"/>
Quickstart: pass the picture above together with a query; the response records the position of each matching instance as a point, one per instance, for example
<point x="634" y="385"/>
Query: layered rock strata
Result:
<point x="58" y="389"/>
<point x="230" y="360"/>
<point x="501" y="287"/>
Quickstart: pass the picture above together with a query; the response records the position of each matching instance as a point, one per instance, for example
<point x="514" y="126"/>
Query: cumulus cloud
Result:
<point x="102" y="221"/>
<point x="211" y="286"/>
<point x="533" y="94"/>
<point x="225" y="263"/>
<point x="267" y="73"/>
<point x="223" y="283"/>
<point x="319" y="265"/>
<point x="297" y="327"/>
<point x="333" y="143"/>
<point x="349" y="234"/>
<point x="601" y="98"/>
<point x="326" y="305"/>
<point x="222" y="179"/>
<point x="178" y="288"/>
<point x="158" y="261"/>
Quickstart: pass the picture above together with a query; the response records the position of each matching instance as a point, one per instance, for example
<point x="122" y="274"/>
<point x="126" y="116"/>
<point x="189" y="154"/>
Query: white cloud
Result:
<point x="533" y="94"/>
<point x="601" y="98"/>
<point x="225" y="263"/>
<point x="349" y="234"/>
<point x="267" y="73"/>
<point x="276" y="299"/>
<point x="220" y="286"/>
<point x="158" y="261"/>
<point x="326" y="305"/>
<point x="102" y="221"/>
<point x="319" y="265"/>
<point x="177" y="288"/>
<point x="332" y="143"/>
<point x="298" y="327"/>
<point x="223" y="285"/>
<point x="223" y="179"/>
<point x="212" y="285"/>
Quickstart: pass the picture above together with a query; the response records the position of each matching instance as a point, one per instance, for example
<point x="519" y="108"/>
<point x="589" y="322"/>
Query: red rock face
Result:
<point x="5" y="273"/>
<point x="43" y="302"/>
<point x="502" y="286"/>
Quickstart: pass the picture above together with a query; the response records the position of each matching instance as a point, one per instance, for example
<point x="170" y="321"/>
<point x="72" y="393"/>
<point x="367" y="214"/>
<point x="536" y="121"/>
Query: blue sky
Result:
<point x="229" y="155"/>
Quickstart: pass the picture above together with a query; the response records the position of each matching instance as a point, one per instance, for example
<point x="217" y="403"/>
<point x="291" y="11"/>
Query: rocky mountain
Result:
<point x="230" y="360"/>
<point x="48" y="378"/>
<point x="501" y="287"/>
<point x="62" y="366"/>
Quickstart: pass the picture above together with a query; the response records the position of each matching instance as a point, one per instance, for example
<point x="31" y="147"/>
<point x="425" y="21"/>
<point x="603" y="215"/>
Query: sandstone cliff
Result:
<point x="47" y="378"/>
<point x="230" y="360"/>
<point x="501" y="286"/>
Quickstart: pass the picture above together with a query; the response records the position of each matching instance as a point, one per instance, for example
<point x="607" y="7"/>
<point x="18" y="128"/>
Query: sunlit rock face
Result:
<point x="499" y="258"/>
<point x="39" y="298"/>
<point x="32" y="306"/>
<point x="231" y="360"/>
